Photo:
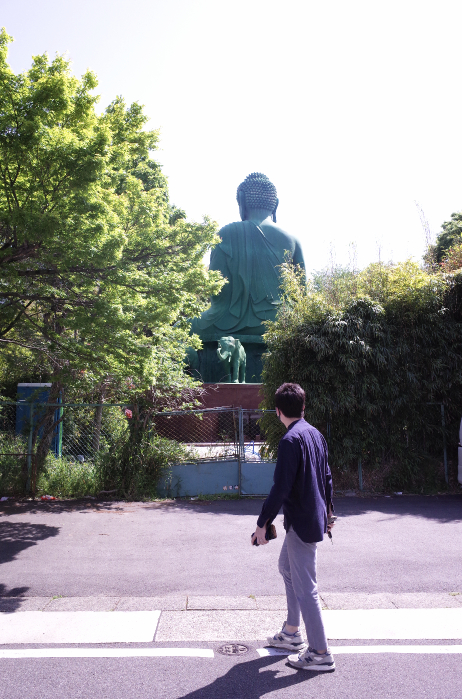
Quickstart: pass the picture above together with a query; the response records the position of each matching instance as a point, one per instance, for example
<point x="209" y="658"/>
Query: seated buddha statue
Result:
<point x="249" y="257"/>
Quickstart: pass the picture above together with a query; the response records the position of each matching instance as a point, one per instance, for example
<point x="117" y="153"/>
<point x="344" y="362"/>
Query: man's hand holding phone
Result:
<point x="260" y="536"/>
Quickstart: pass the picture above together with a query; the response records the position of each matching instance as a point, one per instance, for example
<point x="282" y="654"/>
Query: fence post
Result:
<point x="241" y="452"/>
<point x="59" y="436"/>
<point x="97" y="427"/>
<point x="360" y="474"/>
<point x="29" y="446"/>
<point x="239" y="474"/>
<point x="241" y="432"/>
<point x="445" y="454"/>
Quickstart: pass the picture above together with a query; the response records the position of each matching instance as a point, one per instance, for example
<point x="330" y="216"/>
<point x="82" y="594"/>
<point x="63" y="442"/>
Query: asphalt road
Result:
<point x="390" y="546"/>
<point x="249" y="677"/>
<point x="399" y="544"/>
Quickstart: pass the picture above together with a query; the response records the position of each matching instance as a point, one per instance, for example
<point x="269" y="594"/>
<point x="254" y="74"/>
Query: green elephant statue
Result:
<point x="232" y="356"/>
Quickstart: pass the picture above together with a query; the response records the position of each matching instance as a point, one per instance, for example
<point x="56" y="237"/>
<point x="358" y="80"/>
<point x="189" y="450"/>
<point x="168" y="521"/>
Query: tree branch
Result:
<point x="13" y="322"/>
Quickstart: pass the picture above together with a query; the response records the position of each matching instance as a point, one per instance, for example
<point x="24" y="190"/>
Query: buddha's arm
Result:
<point x="218" y="261"/>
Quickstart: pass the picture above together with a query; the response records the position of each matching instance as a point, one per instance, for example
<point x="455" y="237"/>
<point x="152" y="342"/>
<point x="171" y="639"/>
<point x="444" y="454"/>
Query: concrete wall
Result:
<point x="211" y="477"/>
<point x="256" y="477"/>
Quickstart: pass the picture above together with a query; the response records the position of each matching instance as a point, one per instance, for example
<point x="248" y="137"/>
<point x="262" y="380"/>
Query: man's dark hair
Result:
<point x="290" y="399"/>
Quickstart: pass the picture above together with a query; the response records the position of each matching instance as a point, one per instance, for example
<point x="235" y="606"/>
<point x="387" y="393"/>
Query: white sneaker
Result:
<point x="310" y="659"/>
<point x="285" y="640"/>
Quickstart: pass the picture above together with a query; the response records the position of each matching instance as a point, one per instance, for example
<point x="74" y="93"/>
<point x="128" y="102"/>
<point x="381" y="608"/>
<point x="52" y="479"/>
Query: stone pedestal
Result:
<point x="232" y="395"/>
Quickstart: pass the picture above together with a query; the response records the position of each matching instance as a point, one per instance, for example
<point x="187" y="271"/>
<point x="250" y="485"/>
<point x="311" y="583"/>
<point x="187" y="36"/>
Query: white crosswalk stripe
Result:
<point x="78" y="627"/>
<point x="107" y="653"/>
<point x="84" y="627"/>
<point x="391" y="624"/>
<point x="358" y="650"/>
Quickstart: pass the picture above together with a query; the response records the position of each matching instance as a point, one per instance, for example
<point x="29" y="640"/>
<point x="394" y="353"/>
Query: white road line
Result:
<point x="78" y="627"/>
<point x="31" y="653"/>
<point x="107" y="653"/>
<point x="355" y="650"/>
<point x="396" y="649"/>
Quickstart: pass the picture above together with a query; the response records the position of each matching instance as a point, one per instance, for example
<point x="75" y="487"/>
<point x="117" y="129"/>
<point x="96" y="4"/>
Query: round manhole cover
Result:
<point x="233" y="649"/>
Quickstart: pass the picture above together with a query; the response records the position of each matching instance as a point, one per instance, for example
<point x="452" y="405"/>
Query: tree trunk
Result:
<point x="99" y="417"/>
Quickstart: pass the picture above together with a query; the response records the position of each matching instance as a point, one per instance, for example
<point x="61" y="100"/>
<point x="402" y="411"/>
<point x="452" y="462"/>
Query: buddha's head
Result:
<point x="257" y="193"/>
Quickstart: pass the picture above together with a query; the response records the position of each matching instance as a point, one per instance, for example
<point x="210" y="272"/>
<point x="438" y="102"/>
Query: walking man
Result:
<point x="303" y="487"/>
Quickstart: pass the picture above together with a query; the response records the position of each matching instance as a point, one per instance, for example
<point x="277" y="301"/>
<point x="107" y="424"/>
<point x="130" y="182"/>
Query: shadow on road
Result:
<point x="63" y="506"/>
<point x="17" y="536"/>
<point x="14" y="538"/>
<point x="10" y="599"/>
<point x="440" y="508"/>
<point x="252" y="680"/>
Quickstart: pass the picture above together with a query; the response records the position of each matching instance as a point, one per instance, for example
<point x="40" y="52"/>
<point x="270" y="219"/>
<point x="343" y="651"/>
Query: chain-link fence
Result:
<point x="209" y="435"/>
<point x="14" y="447"/>
<point x="82" y="433"/>
<point x="89" y="429"/>
<point x="216" y="433"/>
<point x="253" y="434"/>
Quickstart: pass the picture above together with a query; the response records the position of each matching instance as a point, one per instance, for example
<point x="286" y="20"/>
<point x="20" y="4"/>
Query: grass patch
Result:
<point x="13" y="470"/>
<point x="68" y="479"/>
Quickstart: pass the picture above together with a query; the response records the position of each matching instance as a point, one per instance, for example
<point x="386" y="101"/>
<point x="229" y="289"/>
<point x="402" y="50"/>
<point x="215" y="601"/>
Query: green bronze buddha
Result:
<point x="248" y="256"/>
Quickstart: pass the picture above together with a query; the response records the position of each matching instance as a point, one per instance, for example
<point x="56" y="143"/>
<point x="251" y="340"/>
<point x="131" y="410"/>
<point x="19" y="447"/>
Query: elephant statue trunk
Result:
<point x="223" y="356"/>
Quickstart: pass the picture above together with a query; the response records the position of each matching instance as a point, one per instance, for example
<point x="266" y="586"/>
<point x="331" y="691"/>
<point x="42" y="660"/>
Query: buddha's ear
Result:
<point x="241" y="202"/>
<point x="274" y="212"/>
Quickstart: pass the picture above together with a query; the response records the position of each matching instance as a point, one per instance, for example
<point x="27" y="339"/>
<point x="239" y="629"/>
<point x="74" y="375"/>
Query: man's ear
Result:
<point x="274" y="212"/>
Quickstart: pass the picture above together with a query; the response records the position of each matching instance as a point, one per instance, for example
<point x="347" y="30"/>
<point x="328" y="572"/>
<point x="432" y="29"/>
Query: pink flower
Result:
<point x="128" y="414"/>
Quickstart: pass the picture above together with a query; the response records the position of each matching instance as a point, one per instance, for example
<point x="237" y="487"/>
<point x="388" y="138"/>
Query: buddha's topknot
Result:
<point x="260" y="192"/>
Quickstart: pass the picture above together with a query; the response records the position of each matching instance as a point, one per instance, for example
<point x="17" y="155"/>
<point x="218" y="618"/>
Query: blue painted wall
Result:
<point x="256" y="477"/>
<point x="37" y="393"/>
<point x="217" y="478"/>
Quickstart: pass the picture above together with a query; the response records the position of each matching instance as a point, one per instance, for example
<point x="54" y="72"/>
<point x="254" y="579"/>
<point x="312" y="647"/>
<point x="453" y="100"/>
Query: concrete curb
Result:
<point x="210" y="603"/>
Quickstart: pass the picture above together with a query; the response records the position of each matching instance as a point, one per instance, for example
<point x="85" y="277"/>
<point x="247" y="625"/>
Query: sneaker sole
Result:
<point x="328" y="667"/>
<point x="287" y="646"/>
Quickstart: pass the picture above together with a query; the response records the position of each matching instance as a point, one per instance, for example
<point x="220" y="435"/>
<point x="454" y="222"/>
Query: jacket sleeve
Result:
<point x="284" y="478"/>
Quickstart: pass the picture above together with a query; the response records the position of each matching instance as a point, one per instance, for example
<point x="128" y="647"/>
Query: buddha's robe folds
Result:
<point x="249" y="257"/>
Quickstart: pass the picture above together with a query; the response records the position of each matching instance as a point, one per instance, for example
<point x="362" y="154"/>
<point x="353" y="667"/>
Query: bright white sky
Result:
<point x="352" y="109"/>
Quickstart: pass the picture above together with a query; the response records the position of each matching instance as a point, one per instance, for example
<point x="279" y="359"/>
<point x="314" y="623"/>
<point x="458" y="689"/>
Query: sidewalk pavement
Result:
<point x="205" y="618"/>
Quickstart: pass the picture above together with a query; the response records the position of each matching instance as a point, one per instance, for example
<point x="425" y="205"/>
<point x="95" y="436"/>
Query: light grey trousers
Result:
<point x="297" y="565"/>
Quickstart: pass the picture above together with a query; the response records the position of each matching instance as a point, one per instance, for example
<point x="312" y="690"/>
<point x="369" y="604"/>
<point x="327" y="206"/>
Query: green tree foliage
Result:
<point x="452" y="260"/>
<point x="335" y="284"/>
<point x="450" y="235"/>
<point x="98" y="271"/>
<point x="374" y="366"/>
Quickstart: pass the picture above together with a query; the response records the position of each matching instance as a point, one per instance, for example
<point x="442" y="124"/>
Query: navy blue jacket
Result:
<point x="302" y="483"/>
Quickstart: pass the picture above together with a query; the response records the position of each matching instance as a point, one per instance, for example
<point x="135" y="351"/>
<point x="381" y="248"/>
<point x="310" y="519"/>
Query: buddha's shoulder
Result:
<point x="273" y="232"/>
<point x="243" y="225"/>
<point x="278" y="232"/>
<point x="231" y="228"/>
